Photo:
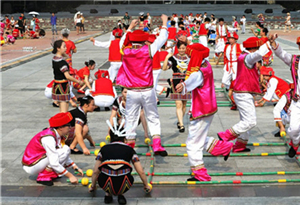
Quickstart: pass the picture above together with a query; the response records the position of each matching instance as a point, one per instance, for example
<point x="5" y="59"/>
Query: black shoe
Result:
<point x="192" y="179"/>
<point x="107" y="109"/>
<point x="182" y="129"/>
<point x="292" y="152"/>
<point x="76" y="152"/>
<point x="108" y="199"/>
<point x="161" y="153"/>
<point x="157" y="102"/>
<point x="226" y="157"/>
<point x="46" y="183"/>
<point x="97" y="109"/>
<point x="178" y="125"/>
<point x="277" y="134"/>
<point x="168" y="92"/>
<point x="121" y="199"/>
<point x="55" y="105"/>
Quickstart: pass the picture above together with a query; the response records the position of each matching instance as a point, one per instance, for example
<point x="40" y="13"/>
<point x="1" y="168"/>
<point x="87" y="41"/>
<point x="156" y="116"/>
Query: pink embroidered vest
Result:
<point x="136" y="69"/>
<point x="35" y="151"/>
<point x="294" y="70"/>
<point x="247" y="79"/>
<point x="204" y="102"/>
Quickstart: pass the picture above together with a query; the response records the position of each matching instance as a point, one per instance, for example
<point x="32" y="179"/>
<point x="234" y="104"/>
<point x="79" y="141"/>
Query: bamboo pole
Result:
<point x="249" y="144"/>
<point x="215" y="182"/>
<point x="231" y="155"/>
<point x="218" y="174"/>
<point x="225" y="173"/>
<point x="188" y="105"/>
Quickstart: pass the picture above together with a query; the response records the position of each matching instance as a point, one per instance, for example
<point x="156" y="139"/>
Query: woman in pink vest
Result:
<point x="246" y="85"/>
<point x="47" y="155"/>
<point x="200" y="80"/>
<point x="136" y="75"/>
<point x="293" y="62"/>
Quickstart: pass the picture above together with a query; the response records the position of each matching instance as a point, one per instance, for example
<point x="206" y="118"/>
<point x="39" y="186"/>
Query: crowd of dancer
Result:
<point x="134" y="55"/>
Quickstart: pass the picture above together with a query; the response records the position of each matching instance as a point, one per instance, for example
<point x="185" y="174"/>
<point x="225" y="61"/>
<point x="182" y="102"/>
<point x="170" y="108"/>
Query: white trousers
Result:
<point x="244" y="28"/>
<point x="203" y="40"/>
<point x="135" y="100"/>
<point x="101" y="100"/>
<point x="246" y="107"/>
<point x="113" y="70"/>
<point x="104" y="100"/>
<point x="156" y="74"/>
<point x="198" y="140"/>
<point x="63" y="155"/>
<point x="220" y="45"/>
<point x="294" y="129"/>
<point x="48" y="92"/>
<point x="229" y="75"/>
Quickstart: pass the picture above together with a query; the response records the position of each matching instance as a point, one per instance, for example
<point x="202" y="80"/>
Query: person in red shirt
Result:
<point x="84" y="75"/>
<point x="171" y="37"/>
<point x="32" y="34"/>
<point x="7" y="23"/>
<point x="15" y="33"/>
<point x="71" y="48"/>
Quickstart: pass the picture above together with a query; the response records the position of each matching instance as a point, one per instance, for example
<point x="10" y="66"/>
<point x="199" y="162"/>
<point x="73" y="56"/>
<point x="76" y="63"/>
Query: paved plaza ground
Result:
<point x="25" y="112"/>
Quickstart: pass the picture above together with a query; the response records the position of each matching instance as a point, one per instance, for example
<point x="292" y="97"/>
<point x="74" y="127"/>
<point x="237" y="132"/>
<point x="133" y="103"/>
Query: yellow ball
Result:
<point x="149" y="190"/>
<point x="84" y="181"/>
<point x="147" y="141"/>
<point x="107" y="138"/>
<point x="102" y="144"/>
<point x="282" y="134"/>
<point x="89" y="172"/>
<point x="96" y="152"/>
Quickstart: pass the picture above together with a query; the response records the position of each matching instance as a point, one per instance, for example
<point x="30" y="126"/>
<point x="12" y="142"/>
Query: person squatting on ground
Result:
<point x="136" y="61"/>
<point x="200" y="80"/>
<point x="102" y="90"/>
<point x="84" y="75"/>
<point x="118" y="111"/>
<point x="79" y="128"/>
<point x="47" y="155"/>
<point x="292" y="61"/>
<point x="112" y="169"/>
<point x="276" y="87"/>
<point x="246" y="85"/>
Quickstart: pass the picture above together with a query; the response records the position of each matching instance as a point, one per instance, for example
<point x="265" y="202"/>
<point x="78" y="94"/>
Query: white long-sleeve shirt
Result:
<point x="272" y="85"/>
<point x="256" y="56"/>
<point x="195" y="80"/>
<point x="156" y="45"/>
<point x="279" y="107"/>
<point x="50" y="146"/>
<point x="287" y="59"/>
<point x="102" y="44"/>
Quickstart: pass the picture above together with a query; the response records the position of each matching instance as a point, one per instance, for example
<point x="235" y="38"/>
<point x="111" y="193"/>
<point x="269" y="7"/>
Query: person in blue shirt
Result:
<point x="169" y="22"/>
<point x="53" y="23"/>
<point x="212" y="38"/>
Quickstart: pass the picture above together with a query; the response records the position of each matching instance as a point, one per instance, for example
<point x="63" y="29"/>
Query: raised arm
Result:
<point x="162" y="38"/>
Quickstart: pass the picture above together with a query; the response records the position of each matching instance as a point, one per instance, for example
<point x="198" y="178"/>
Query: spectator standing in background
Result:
<point x="288" y="22"/>
<point x="53" y="21"/>
<point x="243" y="23"/>
<point x="126" y="19"/>
<point x="82" y="23"/>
